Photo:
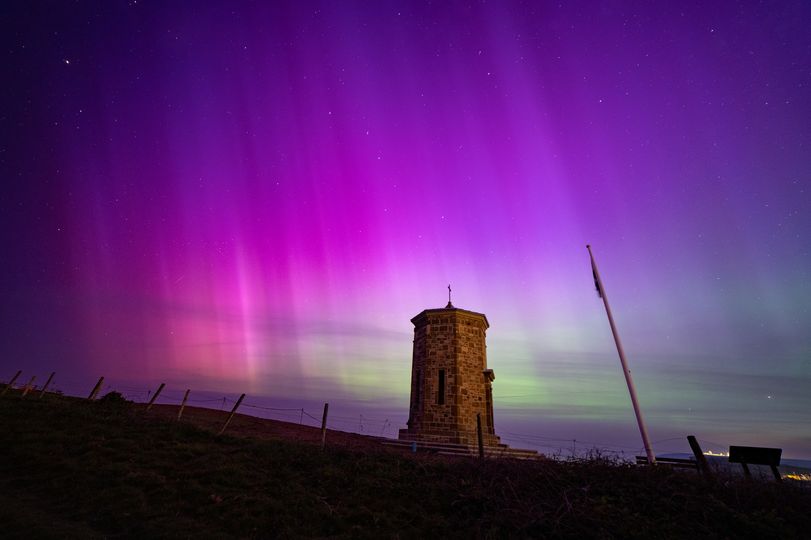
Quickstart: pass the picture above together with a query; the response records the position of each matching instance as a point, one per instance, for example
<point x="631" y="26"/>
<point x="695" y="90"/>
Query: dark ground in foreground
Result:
<point x="74" y="469"/>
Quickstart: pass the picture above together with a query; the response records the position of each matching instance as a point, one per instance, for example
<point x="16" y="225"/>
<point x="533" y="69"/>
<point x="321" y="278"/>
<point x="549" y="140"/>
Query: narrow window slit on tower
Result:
<point x="440" y="397"/>
<point x="417" y="390"/>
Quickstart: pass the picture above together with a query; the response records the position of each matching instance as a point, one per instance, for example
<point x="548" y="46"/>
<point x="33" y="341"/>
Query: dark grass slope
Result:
<point x="72" y="469"/>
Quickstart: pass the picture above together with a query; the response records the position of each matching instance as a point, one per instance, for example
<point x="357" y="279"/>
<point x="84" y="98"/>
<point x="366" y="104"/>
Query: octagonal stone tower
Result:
<point x="450" y="382"/>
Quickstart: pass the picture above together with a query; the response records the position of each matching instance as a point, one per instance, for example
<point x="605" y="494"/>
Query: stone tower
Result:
<point x="450" y="382"/>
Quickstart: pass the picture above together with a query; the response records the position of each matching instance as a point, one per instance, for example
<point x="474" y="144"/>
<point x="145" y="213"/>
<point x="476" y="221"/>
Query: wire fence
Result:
<point x="381" y="427"/>
<point x="556" y="447"/>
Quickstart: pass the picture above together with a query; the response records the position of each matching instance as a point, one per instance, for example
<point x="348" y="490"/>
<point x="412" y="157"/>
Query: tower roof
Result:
<point x="449" y="310"/>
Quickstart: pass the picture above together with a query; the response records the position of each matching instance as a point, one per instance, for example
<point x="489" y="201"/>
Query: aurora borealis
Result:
<point x="258" y="196"/>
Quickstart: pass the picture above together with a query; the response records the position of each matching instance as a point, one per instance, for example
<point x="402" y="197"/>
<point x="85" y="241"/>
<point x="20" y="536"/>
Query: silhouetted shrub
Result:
<point x="113" y="399"/>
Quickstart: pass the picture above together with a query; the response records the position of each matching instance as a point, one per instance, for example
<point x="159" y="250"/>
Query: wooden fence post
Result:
<point x="324" y="426"/>
<point x="230" y="416"/>
<point x="28" y="386"/>
<point x="95" y="391"/>
<point x="45" y="387"/>
<point x="155" y="396"/>
<point x="183" y="404"/>
<point x="11" y="382"/>
<point x="701" y="459"/>
<point x="479" y="434"/>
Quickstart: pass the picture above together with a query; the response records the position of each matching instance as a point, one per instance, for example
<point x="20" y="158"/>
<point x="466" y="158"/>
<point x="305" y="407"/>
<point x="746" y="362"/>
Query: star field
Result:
<point x="258" y="197"/>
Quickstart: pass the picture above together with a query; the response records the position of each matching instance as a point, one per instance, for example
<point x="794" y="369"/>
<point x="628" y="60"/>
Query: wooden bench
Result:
<point x="699" y="463"/>
<point x="753" y="455"/>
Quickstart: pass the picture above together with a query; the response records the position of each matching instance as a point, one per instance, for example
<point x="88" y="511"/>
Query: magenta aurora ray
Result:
<point x="258" y="196"/>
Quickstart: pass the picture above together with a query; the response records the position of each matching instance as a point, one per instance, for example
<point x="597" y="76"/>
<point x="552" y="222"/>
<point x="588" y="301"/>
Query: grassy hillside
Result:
<point x="83" y="470"/>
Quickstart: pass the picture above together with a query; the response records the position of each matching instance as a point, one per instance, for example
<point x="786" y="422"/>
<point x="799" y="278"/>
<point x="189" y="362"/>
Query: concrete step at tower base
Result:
<point x="451" y="449"/>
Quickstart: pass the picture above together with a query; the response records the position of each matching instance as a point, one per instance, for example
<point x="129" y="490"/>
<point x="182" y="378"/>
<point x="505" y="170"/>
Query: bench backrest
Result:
<point x="755" y="455"/>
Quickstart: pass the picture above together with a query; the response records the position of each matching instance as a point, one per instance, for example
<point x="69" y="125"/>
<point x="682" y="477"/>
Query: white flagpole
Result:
<point x="627" y="372"/>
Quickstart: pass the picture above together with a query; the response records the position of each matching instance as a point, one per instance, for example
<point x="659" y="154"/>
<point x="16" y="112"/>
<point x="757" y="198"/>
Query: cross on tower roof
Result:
<point x="449" y="306"/>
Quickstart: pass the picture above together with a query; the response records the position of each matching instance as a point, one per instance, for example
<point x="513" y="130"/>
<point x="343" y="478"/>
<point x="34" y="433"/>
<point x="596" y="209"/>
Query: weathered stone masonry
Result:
<point x="450" y="382"/>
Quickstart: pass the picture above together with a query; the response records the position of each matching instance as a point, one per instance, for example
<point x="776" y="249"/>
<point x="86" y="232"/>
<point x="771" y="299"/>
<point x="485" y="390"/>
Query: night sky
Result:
<point x="258" y="196"/>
